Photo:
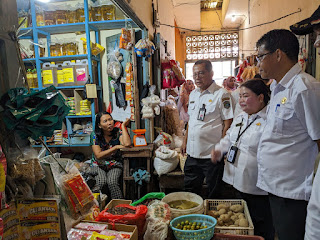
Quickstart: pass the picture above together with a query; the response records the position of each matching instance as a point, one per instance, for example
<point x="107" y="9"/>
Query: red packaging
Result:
<point x="138" y="218"/>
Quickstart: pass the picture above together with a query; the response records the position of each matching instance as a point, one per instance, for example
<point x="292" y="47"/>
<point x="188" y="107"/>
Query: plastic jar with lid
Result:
<point x="61" y="14"/>
<point x="40" y="16"/>
<point x="49" y="15"/>
<point x="80" y="12"/>
<point x="71" y="14"/>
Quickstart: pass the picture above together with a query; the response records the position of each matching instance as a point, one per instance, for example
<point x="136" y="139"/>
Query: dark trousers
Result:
<point x="195" y="170"/>
<point x="289" y="217"/>
<point x="260" y="212"/>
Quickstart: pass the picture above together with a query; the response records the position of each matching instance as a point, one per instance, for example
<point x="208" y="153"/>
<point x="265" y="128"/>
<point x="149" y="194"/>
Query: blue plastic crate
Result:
<point x="203" y="234"/>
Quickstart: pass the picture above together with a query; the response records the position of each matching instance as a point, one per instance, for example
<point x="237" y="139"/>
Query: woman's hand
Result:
<point x="215" y="156"/>
<point x="119" y="146"/>
<point x="126" y="122"/>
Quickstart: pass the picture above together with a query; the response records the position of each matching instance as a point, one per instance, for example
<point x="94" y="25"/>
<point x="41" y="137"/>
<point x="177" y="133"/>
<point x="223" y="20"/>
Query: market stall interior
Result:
<point x="102" y="135"/>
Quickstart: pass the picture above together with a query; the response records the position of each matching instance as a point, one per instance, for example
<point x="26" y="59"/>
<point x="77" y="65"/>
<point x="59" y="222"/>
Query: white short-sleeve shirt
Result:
<point x="287" y="150"/>
<point x="313" y="216"/>
<point x="203" y="135"/>
<point x="243" y="173"/>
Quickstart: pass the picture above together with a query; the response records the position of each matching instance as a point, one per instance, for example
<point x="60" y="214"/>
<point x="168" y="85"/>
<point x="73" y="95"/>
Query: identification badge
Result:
<point x="202" y="112"/>
<point x="232" y="153"/>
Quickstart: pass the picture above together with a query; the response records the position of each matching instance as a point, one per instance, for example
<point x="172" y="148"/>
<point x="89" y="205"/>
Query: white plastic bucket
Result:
<point x="184" y="196"/>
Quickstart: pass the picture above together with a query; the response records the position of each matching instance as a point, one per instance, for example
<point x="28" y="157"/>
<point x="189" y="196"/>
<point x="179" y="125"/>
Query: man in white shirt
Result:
<point x="304" y="27"/>
<point x="211" y="112"/>
<point x="288" y="146"/>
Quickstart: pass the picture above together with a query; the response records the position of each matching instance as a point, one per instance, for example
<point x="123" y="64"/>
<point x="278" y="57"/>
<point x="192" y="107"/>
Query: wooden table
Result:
<point x="130" y="154"/>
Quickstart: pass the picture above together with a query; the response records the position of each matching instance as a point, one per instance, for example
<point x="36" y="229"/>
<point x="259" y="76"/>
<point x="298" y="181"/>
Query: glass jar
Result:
<point x="108" y="12"/>
<point x="40" y="16"/>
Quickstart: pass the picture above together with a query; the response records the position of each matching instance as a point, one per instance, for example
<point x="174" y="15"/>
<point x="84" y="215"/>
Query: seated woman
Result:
<point x="106" y="141"/>
<point x="241" y="143"/>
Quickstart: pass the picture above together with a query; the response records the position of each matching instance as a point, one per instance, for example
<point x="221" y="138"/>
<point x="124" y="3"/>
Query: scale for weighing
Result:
<point x="139" y="139"/>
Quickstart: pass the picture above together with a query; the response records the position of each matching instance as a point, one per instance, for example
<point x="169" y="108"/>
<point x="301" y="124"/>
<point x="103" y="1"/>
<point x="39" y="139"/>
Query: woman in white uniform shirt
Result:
<point x="241" y="143"/>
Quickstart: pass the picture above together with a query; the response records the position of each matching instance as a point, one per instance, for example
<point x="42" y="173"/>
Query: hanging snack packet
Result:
<point x="125" y="39"/>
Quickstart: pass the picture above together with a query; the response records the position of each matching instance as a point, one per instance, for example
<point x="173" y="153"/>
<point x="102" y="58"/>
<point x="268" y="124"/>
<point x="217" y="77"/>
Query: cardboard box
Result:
<point x="132" y="229"/>
<point x="116" y="202"/>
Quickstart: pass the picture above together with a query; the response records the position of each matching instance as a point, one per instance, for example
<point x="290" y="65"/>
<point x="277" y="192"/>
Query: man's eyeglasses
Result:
<point x="261" y="57"/>
<point x="199" y="74"/>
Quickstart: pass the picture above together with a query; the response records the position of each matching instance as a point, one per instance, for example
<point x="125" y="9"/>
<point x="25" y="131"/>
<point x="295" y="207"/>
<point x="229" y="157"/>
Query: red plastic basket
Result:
<point x="221" y="236"/>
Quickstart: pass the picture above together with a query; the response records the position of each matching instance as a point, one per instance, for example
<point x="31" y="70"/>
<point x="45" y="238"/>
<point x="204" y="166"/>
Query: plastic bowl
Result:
<point x="203" y="234"/>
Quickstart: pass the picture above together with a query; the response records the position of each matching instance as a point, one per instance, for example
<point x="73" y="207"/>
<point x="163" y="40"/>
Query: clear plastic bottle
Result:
<point x="80" y="12"/>
<point x="71" y="14"/>
<point x="49" y="74"/>
<point x="40" y="16"/>
<point x="96" y="11"/>
<point x="49" y="15"/>
<point x="108" y="10"/>
<point x="29" y="78"/>
<point x="82" y="72"/>
<point x="68" y="73"/>
<point x="35" y="78"/>
<point x="61" y="14"/>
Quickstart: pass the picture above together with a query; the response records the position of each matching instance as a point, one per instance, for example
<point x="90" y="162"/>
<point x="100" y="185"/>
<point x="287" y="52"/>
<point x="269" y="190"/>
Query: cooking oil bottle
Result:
<point x="82" y="72"/>
<point x="49" y="73"/>
<point x="34" y="78"/>
<point x="68" y="73"/>
<point x="60" y="75"/>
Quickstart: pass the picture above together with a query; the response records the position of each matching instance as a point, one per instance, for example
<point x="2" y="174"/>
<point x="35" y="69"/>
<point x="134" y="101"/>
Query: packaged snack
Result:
<point x="125" y="39"/>
<point x="35" y="210"/>
<point x="12" y="233"/>
<point x="9" y="216"/>
<point x="89" y="226"/>
<point x="97" y="236"/>
<point x="40" y="231"/>
<point x="78" y="234"/>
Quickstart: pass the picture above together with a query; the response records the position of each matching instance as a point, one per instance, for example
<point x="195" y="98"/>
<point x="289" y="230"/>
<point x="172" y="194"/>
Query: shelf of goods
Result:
<point x="91" y="62"/>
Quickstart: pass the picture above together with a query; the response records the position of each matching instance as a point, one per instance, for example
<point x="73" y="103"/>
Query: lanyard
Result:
<point x="240" y="134"/>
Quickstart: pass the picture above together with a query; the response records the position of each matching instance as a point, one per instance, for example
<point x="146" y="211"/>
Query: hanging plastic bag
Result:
<point x="114" y="67"/>
<point x="157" y="221"/>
